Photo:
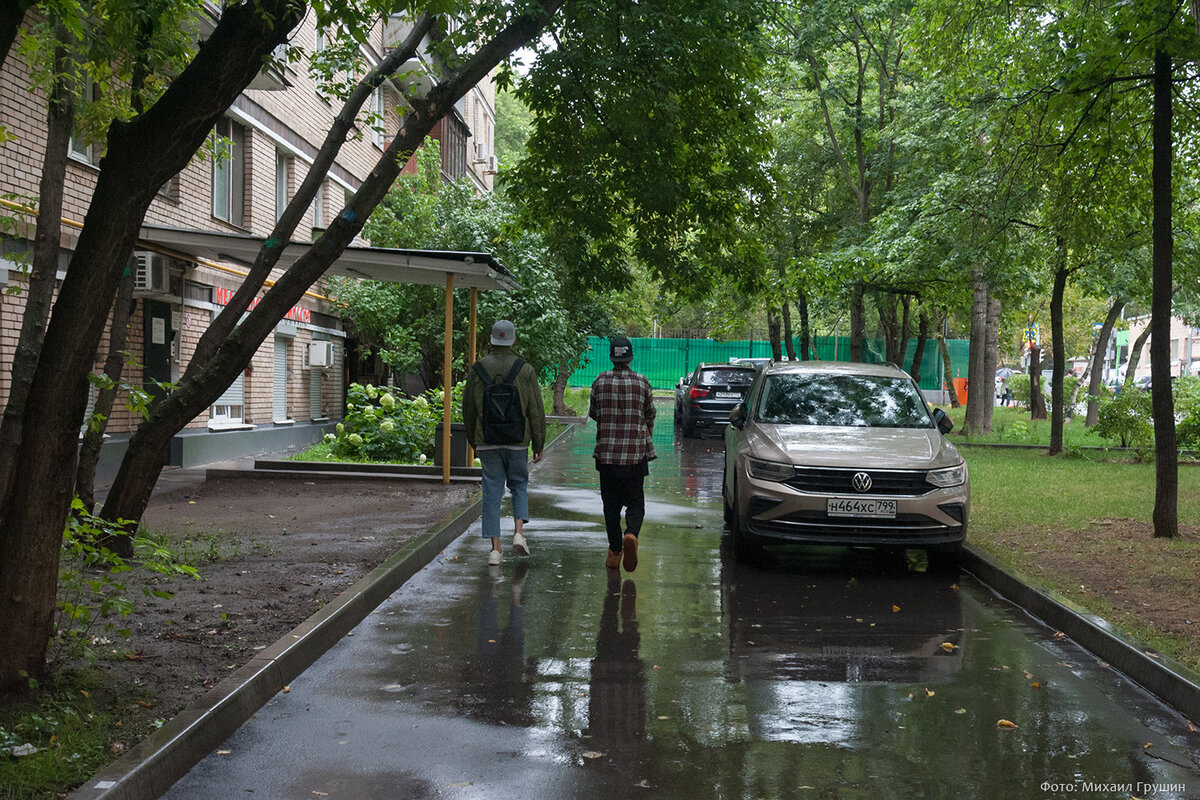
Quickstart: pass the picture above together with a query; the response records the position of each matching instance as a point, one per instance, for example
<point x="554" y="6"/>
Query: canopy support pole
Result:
<point x="447" y="365"/>
<point x="472" y="355"/>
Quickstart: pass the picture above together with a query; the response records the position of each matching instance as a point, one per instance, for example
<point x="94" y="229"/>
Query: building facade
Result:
<point x="294" y="387"/>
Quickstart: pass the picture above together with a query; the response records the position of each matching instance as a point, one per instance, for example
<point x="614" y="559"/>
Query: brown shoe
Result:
<point x="629" y="546"/>
<point x="613" y="561"/>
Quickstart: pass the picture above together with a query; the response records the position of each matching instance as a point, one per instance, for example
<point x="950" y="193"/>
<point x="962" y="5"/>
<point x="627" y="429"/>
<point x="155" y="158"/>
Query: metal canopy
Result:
<point x="395" y="265"/>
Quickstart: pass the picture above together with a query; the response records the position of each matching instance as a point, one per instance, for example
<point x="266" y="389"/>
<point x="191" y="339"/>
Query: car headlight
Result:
<point x="769" y="470"/>
<point x="945" y="478"/>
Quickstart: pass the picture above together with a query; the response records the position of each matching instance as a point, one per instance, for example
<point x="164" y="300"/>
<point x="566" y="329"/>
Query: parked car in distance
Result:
<point x="842" y="454"/>
<point x="681" y="392"/>
<point x="712" y="392"/>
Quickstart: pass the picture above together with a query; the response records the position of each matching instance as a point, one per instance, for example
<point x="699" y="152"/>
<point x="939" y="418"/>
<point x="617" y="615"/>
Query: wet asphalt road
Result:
<point x="828" y="674"/>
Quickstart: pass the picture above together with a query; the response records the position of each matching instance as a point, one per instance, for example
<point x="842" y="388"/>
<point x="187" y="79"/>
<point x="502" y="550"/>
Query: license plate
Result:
<point x="729" y="396"/>
<point x="860" y="507"/>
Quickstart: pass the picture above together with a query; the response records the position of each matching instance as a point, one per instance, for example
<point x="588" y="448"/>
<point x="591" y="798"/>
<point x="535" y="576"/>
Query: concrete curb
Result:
<point x="149" y="769"/>
<point x="1171" y="682"/>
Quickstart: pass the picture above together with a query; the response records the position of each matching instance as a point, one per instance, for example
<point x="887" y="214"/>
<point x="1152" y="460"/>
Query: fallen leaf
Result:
<point x="930" y="693"/>
<point x="960" y="711"/>
<point x="949" y="646"/>
<point x="1191" y="727"/>
<point x="84" y="692"/>
<point x="1028" y="675"/>
<point x="895" y="608"/>
<point x="1036" y="685"/>
<point x="287" y="689"/>
<point x="593" y="754"/>
<point x="1004" y="723"/>
<point x="1059" y="636"/>
<point x="655" y="666"/>
<point x="954" y="586"/>
<point x="191" y="502"/>
<point x="1147" y="745"/>
<point x="145" y="704"/>
<point x="224" y="752"/>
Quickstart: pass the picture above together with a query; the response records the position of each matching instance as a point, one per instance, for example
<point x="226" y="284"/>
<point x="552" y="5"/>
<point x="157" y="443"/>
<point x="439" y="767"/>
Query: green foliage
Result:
<point x="1186" y="394"/>
<point x="1126" y="417"/>
<point x="380" y="426"/>
<point x="405" y="322"/>
<point x="646" y="141"/>
<point x="92" y="594"/>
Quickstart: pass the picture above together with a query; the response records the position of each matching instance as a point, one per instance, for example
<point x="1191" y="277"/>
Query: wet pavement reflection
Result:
<point x="828" y="673"/>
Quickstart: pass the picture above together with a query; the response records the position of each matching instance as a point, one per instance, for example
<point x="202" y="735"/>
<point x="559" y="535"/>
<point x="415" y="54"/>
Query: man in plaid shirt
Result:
<point x="623" y="407"/>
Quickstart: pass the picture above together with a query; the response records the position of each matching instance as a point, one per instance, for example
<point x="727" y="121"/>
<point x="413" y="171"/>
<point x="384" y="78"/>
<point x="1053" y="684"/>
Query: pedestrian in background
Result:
<point x="504" y="417"/>
<point x="623" y="406"/>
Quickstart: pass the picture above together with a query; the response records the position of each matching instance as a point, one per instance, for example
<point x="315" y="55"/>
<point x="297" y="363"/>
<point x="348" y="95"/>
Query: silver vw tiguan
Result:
<point x="842" y="454"/>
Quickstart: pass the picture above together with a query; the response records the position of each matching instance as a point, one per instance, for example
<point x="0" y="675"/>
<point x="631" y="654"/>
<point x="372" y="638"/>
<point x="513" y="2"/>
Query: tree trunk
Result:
<point x="39" y="292"/>
<point x="1059" y="350"/>
<point x="788" y="340"/>
<point x="979" y="391"/>
<point x="773" y="332"/>
<point x="858" y="322"/>
<point x="1135" y="356"/>
<point x="991" y="357"/>
<point x="1037" y="402"/>
<point x="950" y="387"/>
<point x="11" y="14"/>
<point x="905" y="330"/>
<point x="93" y="439"/>
<point x="205" y="381"/>
<point x="33" y="508"/>
<point x="889" y="326"/>
<point x="919" y="347"/>
<point x="1166" y="456"/>
<point x="806" y="352"/>
<point x="561" y="375"/>
<point x="1097" y="365"/>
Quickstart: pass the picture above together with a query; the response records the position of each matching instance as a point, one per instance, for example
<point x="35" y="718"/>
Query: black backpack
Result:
<point x="503" y="418"/>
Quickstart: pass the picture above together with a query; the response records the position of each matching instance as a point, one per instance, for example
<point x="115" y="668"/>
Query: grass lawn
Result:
<point x="1083" y="529"/>
<point x="1012" y="425"/>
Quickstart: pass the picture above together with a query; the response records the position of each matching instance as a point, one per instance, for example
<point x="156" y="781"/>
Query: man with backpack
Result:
<point x="503" y="413"/>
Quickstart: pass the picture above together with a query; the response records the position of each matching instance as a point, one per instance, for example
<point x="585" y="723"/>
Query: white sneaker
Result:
<point x="494" y="558"/>
<point x="520" y="545"/>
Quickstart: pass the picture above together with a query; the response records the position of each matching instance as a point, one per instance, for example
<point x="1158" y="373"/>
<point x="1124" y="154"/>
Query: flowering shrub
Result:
<point x="380" y="426"/>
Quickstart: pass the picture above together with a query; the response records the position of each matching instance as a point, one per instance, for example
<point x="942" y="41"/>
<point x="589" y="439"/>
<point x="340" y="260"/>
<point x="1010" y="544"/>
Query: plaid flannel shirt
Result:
<point x="623" y="407"/>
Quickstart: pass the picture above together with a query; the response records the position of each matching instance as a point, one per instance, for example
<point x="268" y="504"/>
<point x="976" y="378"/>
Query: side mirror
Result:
<point x="737" y="416"/>
<point x="942" y="420"/>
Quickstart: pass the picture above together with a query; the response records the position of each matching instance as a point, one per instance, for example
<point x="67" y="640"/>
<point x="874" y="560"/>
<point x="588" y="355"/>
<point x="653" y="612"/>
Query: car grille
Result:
<point x="820" y="480"/>
<point x="816" y="526"/>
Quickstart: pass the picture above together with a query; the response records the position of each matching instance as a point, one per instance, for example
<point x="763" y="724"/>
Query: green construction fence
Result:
<point x="664" y="361"/>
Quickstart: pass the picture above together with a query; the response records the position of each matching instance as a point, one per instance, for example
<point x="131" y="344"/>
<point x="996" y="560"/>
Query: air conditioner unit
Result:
<point x="481" y="152"/>
<point x="491" y="164"/>
<point x="150" y="274"/>
<point x="320" y="354"/>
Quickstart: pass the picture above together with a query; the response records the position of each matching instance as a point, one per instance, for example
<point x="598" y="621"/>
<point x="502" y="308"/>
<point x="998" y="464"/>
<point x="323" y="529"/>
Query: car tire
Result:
<point x="688" y="428"/>
<point x="944" y="559"/>
<point x="744" y="545"/>
<point x="726" y="509"/>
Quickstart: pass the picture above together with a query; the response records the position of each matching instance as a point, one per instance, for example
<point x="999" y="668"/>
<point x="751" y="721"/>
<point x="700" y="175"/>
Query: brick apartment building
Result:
<point x="294" y="388"/>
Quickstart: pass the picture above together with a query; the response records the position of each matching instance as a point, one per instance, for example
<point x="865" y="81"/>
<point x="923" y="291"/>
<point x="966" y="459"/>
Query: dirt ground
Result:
<point x="1118" y="569"/>
<point x="270" y="553"/>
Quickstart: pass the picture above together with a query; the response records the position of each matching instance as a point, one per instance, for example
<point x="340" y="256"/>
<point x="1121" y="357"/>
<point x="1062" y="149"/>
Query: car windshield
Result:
<point x="739" y="377"/>
<point x="842" y="401"/>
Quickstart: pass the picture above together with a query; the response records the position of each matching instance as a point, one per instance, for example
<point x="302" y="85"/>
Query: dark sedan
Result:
<point x="712" y="392"/>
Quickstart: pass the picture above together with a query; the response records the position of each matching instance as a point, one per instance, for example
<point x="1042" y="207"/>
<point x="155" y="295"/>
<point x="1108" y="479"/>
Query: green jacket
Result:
<point x="498" y="364"/>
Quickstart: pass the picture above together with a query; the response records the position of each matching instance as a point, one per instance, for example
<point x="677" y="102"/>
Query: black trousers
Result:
<point x="622" y="486"/>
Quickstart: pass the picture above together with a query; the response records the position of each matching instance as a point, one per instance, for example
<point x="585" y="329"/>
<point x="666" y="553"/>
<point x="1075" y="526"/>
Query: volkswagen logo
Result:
<point x="861" y="481"/>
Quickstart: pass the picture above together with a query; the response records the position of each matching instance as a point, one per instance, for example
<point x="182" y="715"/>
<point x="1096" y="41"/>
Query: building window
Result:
<point x="229" y="171"/>
<point x="378" y="126"/>
<point x="282" y="169"/>
<point x="319" y="208"/>
<point x="80" y="148"/>
<point x="454" y="148"/>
